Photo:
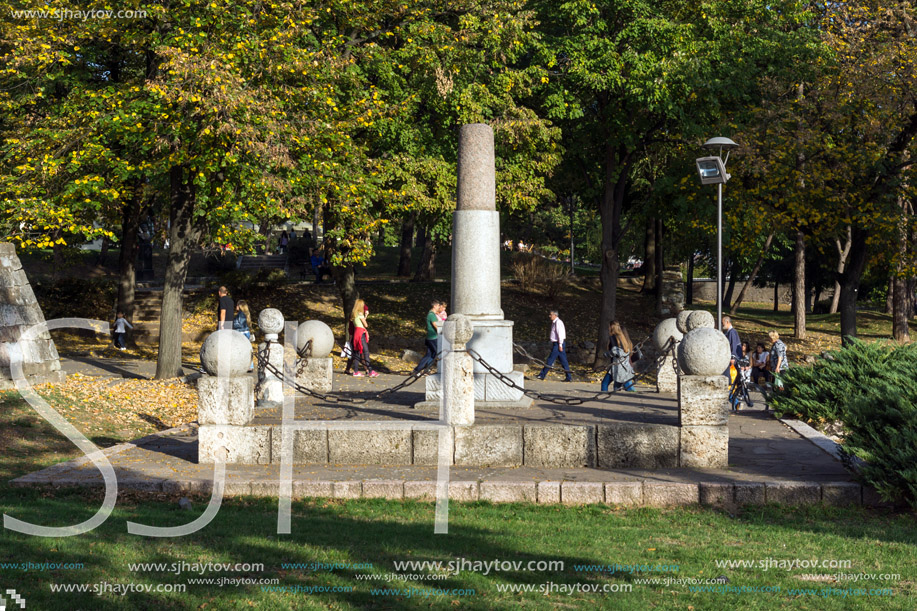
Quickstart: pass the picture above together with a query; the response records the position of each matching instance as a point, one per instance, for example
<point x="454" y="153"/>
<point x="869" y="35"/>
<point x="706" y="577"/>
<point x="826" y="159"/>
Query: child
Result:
<point x="442" y="313"/>
<point x="120" y="331"/>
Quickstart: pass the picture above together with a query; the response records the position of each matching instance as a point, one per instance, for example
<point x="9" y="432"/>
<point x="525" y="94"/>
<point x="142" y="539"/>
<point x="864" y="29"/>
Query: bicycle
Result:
<point x="738" y="390"/>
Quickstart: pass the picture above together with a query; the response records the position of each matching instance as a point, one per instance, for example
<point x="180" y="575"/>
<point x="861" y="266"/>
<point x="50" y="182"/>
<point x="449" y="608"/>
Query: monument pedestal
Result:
<point x="703" y="415"/>
<point x="316" y="374"/>
<point x="493" y="342"/>
<point x="667" y="379"/>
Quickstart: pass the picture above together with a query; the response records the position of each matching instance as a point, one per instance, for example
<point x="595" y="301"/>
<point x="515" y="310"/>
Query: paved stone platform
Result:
<point x="768" y="460"/>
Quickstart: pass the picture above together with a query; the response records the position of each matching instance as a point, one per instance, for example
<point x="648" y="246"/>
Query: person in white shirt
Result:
<point x="558" y="347"/>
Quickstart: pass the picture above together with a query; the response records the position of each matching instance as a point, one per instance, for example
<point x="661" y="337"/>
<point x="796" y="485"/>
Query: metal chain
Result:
<point x="668" y="347"/>
<point x="265" y="366"/>
<point x="528" y="393"/>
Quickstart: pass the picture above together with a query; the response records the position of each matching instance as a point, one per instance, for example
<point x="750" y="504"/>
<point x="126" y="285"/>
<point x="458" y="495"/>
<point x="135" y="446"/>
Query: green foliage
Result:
<point x="871" y="388"/>
<point x="821" y="393"/>
<point x="882" y="431"/>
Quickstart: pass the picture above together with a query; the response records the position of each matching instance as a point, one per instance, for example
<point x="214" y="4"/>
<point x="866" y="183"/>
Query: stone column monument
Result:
<point x="476" y="272"/>
<point x="19" y="311"/>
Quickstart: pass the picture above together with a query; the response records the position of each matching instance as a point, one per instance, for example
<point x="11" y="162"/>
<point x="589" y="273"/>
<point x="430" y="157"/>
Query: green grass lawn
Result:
<point x="381" y="533"/>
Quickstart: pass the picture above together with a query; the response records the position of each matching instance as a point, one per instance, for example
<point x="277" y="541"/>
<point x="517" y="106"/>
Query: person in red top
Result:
<point x="361" y="338"/>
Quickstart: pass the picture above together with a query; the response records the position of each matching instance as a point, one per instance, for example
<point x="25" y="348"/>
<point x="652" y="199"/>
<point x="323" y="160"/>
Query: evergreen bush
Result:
<point x="881" y="428"/>
<point x="821" y="392"/>
<point x="871" y="388"/>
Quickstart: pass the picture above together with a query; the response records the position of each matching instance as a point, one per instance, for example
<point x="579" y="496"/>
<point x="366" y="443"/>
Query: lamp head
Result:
<point x="712" y="170"/>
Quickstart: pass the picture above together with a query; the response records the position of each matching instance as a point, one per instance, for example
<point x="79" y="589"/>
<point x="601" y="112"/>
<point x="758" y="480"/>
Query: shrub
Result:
<point x="820" y="393"/>
<point x="536" y="274"/>
<point x="882" y="430"/>
<point x="872" y="390"/>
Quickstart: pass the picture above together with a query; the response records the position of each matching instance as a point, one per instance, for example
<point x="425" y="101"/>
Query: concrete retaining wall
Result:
<point x="554" y="446"/>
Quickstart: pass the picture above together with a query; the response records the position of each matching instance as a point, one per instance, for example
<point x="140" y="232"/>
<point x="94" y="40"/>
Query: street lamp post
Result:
<point x="712" y="170"/>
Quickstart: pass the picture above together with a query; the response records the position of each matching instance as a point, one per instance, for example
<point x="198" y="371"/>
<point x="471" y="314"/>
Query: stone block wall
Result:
<point x="19" y="310"/>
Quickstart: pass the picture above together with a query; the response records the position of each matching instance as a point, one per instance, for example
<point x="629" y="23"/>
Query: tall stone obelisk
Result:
<point x="476" y="272"/>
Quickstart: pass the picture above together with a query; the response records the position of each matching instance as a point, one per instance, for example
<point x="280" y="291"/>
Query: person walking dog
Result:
<point x="558" y="338"/>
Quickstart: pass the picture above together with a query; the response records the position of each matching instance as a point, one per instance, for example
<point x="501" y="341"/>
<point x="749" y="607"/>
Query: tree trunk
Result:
<point x="316" y="220"/>
<point x="345" y="279"/>
<point x="731" y="285"/>
<point x="776" y="295"/>
<point x="900" y="299"/>
<point x="426" y="269"/>
<point x="900" y="331"/>
<point x="689" y="288"/>
<point x="799" y="287"/>
<point x="850" y="284"/>
<point x="610" y="208"/>
<point x="183" y="235"/>
<point x="649" y="256"/>
<point x="127" y="259"/>
<point x="843" y="251"/>
<point x="660" y="263"/>
<point x="753" y="275"/>
<point x="404" y="256"/>
<point x="889" y="295"/>
<point x="103" y="252"/>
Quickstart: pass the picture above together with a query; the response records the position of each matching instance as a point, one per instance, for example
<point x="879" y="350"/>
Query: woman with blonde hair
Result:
<point x="241" y="323"/>
<point x="619" y="349"/>
<point x="778" y="358"/>
<point x="360" y="338"/>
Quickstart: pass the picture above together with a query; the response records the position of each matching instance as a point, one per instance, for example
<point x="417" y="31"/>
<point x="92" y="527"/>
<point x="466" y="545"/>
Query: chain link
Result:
<point x="528" y="393"/>
<point x="264" y="365"/>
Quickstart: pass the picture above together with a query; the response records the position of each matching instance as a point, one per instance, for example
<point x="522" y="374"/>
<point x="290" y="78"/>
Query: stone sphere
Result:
<point x="458" y="329"/>
<point x="681" y="320"/>
<point x="228" y="344"/>
<point x="699" y="319"/>
<point x="320" y="334"/>
<point x="664" y="330"/>
<point x="703" y="352"/>
<point x="270" y="320"/>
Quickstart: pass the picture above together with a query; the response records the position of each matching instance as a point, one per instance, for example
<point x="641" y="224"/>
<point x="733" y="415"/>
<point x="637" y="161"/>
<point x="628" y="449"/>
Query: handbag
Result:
<point x="347" y="350"/>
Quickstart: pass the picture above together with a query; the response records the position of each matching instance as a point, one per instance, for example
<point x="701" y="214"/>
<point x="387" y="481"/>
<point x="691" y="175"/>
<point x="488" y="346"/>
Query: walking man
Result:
<point x="226" y="309"/>
<point x="432" y="324"/>
<point x="558" y="347"/>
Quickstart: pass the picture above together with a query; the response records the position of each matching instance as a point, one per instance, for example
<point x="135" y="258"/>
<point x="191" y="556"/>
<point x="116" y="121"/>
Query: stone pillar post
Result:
<point x="665" y="333"/>
<point x="703" y="395"/>
<point x="317" y="372"/>
<point x="270" y="321"/>
<point x="458" y="372"/>
<point x="703" y="415"/>
<point x="226" y="398"/>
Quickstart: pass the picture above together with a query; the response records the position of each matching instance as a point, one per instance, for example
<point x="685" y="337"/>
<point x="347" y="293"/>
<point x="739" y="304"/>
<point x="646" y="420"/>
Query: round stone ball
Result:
<point x="270" y="321"/>
<point x="703" y="352"/>
<point x="458" y="329"/>
<point x="664" y="330"/>
<point x="321" y="335"/>
<point x="699" y="319"/>
<point x="228" y="344"/>
<point x="682" y="320"/>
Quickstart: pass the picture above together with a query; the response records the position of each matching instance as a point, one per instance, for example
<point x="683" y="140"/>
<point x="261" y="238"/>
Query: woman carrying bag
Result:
<point x="619" y="349"/>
